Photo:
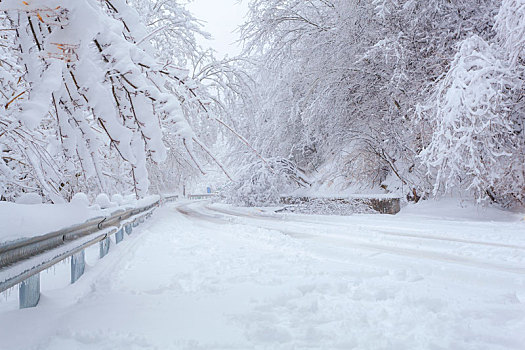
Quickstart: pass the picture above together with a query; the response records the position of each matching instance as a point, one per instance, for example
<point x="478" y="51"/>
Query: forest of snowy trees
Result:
<point x="420" y="98"/>
<point x="417" y="98"/>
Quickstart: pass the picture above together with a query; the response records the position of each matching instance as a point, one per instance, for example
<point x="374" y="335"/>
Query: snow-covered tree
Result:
<point x="341" y="79"/>
<point x="476" y="115"/>
<point x="511" y="30"/>
<point x="262" y="183"/>
<point x="92" y="85"/>
<point x="476" y="143"/>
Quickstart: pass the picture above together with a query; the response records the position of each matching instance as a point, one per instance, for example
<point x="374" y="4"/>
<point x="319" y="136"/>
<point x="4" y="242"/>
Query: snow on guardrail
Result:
<point x="22" y="259"/>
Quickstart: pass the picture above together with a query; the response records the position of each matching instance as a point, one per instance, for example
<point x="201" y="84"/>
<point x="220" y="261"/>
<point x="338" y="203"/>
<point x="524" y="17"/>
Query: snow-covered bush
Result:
<point x="262" y="183"/>
<point x="329" y="206"/>
<point x="477" y="144"/>
<point x="510" y="26"/>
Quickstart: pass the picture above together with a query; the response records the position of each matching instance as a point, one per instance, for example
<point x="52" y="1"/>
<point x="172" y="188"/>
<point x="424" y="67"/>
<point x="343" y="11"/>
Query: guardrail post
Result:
<point x="129" y="229"/>
<point x="104" y="247"/>
<point x="119" y="236"/>
<point x="78" y="265"/>
<point x="29" y="292"/>
<point x="135" y="223"/>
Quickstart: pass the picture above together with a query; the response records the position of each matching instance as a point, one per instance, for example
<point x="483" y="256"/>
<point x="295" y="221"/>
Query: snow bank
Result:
<point x="455" y="209"/>
<point x="23" y="220"/>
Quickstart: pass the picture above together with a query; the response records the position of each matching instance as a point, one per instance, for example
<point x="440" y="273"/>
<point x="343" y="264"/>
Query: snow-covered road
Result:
<point x="200" y="276"/>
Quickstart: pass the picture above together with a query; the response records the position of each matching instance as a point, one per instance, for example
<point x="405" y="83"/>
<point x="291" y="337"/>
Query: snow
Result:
<point x="327" y="185"/>
<point x="29" y="220"/>
<point x="117" y="198"/>
<point x="103" y="201"/>
<point x="21" y="221"/>
<point x="344" y="195"/>
<point x="201" y="276"/>
<point x="80" y="199"/>
<point x="29" y="198"/>
<point x="454" y="209"/>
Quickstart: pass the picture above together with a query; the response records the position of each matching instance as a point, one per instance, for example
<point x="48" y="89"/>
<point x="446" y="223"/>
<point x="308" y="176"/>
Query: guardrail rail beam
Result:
<point x="42" y="252"/>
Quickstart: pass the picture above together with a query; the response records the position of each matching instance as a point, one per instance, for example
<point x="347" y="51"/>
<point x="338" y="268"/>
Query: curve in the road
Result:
<point x="186" y="210"/>
<point x="386" y="233"/>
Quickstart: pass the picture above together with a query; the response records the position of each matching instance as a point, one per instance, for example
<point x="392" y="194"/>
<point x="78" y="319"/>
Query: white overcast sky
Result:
<point x="222" y="18"/>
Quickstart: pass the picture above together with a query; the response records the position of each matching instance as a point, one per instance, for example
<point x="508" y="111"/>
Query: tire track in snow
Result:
<point x="407" y="252"/>
<point x="383" y="232"/>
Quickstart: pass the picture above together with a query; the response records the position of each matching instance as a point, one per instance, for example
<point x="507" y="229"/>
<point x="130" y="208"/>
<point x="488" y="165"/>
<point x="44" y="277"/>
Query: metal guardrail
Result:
<point x="21" y="261"/>
<point x="201" y="196"/>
